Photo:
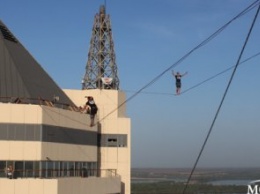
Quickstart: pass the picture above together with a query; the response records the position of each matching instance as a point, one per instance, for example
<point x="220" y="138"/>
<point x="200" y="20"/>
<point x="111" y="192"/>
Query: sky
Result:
<point x="150" y="36"/>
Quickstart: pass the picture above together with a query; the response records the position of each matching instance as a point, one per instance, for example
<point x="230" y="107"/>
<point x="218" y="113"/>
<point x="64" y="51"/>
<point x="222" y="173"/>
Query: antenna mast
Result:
<point x="101" y="68"/>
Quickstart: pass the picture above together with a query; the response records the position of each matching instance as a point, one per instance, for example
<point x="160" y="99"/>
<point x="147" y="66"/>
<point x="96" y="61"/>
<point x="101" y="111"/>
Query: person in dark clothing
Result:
<point x="91" y="109"/>
<point x="178" y="77"/>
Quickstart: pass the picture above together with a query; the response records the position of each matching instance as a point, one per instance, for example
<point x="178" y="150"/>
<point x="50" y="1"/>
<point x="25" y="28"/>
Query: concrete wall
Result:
<point x="110" y="98"/>
<point x="23" y="114"/>
<point x="13" y="149"/>
<point x="20" y="113"/>
<point x="91" y="185"/>
<point x="68" y="152"/>
<point x="112" y="119"/>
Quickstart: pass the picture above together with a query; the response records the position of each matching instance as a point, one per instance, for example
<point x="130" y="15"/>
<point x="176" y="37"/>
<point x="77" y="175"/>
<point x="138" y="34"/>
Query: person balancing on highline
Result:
<point x="178" y="77"/>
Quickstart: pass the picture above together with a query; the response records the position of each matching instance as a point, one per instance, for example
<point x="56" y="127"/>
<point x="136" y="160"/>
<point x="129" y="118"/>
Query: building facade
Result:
<point x="47" y="145"/>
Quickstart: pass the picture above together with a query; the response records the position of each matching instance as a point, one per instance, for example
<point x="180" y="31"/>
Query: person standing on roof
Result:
<point x="91" y="109"/>
<point x="178" y="77"/>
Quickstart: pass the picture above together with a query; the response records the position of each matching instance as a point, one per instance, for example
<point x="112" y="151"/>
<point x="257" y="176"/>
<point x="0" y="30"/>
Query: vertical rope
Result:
<point x="222" y="100"/>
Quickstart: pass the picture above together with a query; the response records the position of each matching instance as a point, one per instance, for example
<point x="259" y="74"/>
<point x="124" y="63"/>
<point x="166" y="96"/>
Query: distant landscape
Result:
<point x="206" y="180"/>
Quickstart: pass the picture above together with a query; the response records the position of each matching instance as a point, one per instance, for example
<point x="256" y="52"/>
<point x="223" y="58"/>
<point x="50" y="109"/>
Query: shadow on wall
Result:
<point x="122" y="188"/>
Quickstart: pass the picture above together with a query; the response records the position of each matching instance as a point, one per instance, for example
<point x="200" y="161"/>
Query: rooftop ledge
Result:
<point x="40" y="101"/>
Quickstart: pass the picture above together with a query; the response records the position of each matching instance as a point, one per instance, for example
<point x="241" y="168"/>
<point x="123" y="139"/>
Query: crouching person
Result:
<point x="91" y="109"/>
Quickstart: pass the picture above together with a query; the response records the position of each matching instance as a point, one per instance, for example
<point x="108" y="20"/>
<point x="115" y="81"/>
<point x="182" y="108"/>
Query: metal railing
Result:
<point x="39" y="101"/>
<point x="50" y="173"/>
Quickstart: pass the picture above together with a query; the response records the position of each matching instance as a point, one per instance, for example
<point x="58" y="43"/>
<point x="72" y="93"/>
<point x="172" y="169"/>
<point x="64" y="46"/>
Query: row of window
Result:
<point x="47" y="169"/>
<point x="58" y="134"/>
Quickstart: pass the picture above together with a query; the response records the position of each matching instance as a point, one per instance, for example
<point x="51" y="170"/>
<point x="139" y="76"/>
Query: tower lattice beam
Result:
<point x="101" y="68"/>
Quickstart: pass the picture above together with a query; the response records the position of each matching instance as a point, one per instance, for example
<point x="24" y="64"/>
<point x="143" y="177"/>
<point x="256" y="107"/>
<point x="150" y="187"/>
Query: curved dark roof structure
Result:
<point x="21" y="77"/>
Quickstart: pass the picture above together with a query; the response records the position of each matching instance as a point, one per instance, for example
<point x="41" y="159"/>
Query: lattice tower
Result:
<point x="101" y="68"/>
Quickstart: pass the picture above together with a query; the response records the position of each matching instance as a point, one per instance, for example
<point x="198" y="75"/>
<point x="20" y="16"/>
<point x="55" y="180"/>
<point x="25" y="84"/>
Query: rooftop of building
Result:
<point x="22" y="78"/>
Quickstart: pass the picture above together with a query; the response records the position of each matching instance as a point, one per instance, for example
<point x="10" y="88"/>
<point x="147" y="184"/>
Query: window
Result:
<point x="28" y="170"/>
<point x="2" y="168"/>
<point x="49" y="169"/>
<point x="18" y="169"/>
<point x="113" y="140"/>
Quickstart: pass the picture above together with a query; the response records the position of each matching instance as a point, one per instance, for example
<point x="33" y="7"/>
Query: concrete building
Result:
<point x="47" y="145"/>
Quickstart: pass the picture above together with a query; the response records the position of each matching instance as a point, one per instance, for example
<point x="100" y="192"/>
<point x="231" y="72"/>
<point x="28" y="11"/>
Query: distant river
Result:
<point x="154" y="180"/>
<point x="219" y="182"/>
<point x="230" y="182"/>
